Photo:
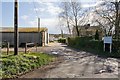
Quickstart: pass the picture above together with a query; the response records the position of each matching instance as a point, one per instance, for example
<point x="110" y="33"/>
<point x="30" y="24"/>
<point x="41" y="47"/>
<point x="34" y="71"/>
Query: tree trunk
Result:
<point x="117" y="20"/>
<point x="69" y="27"/>
<point x="77" y="30"/>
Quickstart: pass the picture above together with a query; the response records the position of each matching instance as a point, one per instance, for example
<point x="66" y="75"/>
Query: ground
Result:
<point x="74" y="64"/>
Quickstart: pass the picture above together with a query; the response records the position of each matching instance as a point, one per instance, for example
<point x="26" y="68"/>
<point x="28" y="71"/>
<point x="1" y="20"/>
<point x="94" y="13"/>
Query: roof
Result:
<point x="88" y="28"/>
<point x="23" y="29"/>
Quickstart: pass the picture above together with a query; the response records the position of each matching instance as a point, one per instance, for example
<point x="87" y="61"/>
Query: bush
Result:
<point x="116" y="46"/>
<point x="62" y="40"/>
<point x="79" y="41"/>
<point x="85" y="43"/>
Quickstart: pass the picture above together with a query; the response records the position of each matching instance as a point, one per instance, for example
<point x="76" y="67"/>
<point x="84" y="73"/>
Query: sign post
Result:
<point x="108" y="40"/>
<point x="110" y="48"/>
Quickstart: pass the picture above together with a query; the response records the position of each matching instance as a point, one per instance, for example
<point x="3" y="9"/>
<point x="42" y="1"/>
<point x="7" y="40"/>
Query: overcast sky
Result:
<point x="47" y="11"/>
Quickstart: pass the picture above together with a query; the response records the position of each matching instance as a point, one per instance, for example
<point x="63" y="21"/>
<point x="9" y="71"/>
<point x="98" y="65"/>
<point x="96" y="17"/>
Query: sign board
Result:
<point x="108" y="39"/>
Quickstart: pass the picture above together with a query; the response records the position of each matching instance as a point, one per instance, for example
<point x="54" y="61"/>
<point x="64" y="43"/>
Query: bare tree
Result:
<point x="72" y="13"/>
<point x="76" y="9"/>
<point x="109" y="16"/>
<point x="65" y="14"/>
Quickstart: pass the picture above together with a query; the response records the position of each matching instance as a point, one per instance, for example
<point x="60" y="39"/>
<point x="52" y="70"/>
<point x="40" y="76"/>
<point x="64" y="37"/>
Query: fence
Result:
<point x="7" y="46"/>
<point x="28" y="44"/>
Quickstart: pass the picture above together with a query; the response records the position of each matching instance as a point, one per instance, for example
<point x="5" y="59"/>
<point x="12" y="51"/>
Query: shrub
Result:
<point x="116" y="46"/>
<point x="62" y="40"/>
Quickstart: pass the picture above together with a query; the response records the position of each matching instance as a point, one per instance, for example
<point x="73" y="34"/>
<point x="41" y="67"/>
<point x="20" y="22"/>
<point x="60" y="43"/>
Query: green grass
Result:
<point x="15" y="65"/>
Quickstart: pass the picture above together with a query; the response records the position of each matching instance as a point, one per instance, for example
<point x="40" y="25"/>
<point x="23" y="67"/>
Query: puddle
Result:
<point x="54" y="53"/>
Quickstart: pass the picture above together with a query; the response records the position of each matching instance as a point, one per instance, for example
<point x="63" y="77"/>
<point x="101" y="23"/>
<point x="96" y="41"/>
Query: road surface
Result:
<point x="75" y="64"/>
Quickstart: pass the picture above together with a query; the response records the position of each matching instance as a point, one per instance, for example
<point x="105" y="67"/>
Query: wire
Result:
<point x="35" y="9"/>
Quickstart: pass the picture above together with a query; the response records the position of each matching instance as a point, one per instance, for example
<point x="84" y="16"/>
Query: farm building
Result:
<point x="26" y="35"/>
<point x="88" y="30"/>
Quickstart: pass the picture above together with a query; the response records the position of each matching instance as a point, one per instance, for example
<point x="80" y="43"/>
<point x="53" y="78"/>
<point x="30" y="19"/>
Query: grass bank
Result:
<point x="12" y="66"/>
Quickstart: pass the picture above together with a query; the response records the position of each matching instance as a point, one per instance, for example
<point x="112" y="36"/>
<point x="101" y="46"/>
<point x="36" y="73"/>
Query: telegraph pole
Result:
<point x="16" y="27"/>
<point x="38" y="24"/>
<point x="39" y="38"/>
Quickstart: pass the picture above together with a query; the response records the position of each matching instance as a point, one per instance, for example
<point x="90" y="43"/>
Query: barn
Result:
<point x="26" y="35"/>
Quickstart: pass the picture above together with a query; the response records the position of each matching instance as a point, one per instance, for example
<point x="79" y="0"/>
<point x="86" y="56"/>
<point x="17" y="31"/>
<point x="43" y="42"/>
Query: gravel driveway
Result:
<point x="76" y="64"/>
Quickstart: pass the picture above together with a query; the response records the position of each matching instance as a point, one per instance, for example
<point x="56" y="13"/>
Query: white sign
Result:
<point x="108" y="39"/>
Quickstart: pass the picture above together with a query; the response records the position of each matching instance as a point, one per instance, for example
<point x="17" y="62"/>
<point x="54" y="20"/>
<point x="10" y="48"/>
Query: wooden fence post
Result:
<point x="7" y="48"/>
<point x="36" y="46"/>
<point x="25" y="47"/>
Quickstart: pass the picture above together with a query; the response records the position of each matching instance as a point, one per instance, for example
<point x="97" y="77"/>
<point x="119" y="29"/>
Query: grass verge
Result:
<point x="12" y="66"/>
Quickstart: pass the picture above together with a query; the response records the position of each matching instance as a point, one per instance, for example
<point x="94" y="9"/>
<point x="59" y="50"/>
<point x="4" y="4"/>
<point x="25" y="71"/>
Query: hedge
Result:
<point x="62" y="40"/>
<point x="94" y="46"/>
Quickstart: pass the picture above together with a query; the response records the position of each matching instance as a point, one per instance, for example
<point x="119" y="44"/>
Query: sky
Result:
<point x="47" y="11"/>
